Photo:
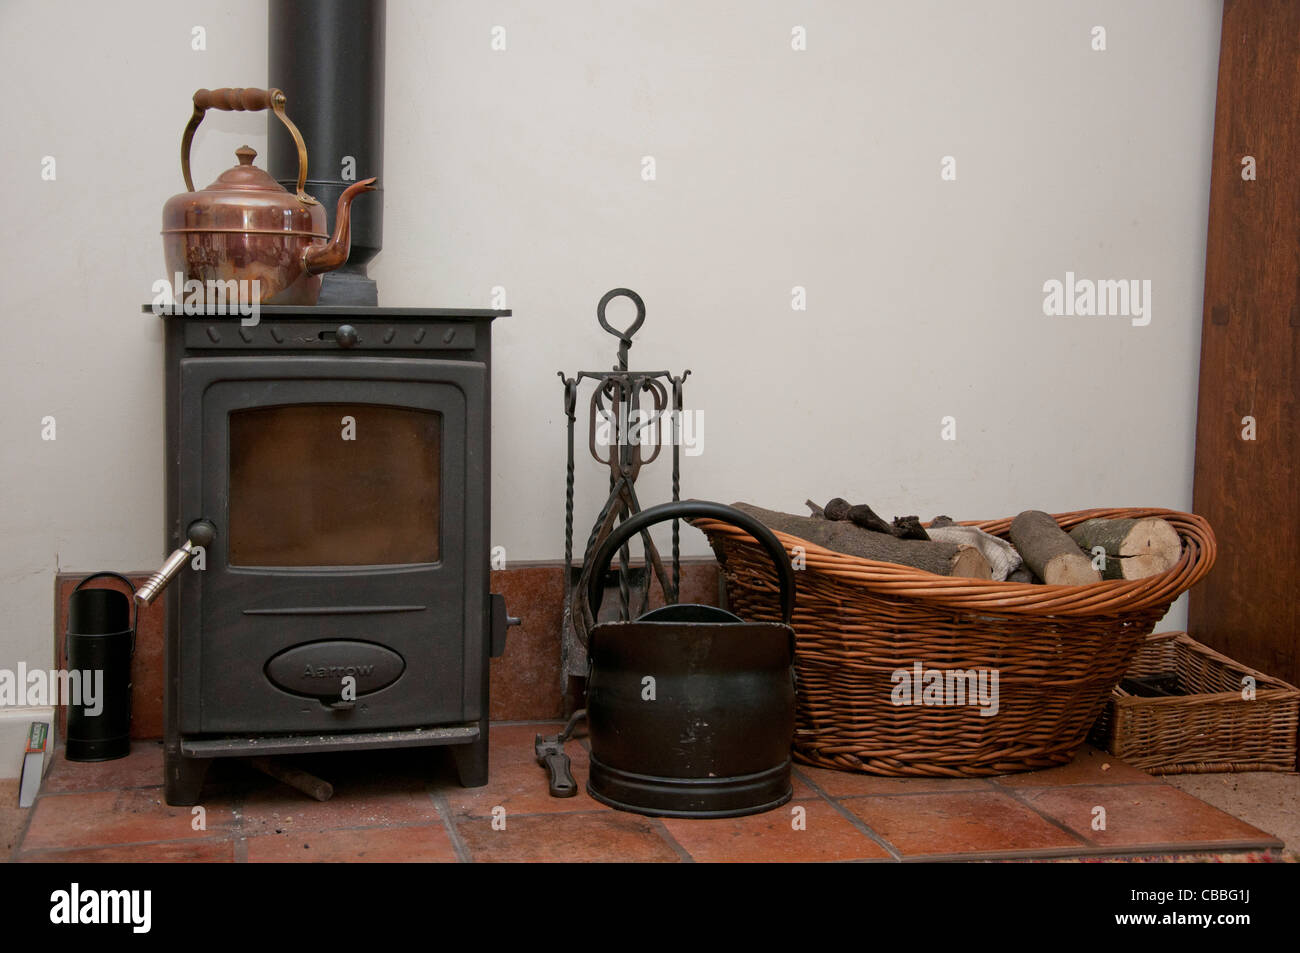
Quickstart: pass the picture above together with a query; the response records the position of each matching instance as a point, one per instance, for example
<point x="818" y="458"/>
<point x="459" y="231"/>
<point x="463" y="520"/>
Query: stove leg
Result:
<point x="183" y="778"/>
<point x="472" y="761"/>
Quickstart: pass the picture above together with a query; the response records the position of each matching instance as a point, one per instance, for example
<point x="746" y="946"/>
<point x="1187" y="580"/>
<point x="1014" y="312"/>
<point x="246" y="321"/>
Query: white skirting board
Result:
<point x="14" y="723"/>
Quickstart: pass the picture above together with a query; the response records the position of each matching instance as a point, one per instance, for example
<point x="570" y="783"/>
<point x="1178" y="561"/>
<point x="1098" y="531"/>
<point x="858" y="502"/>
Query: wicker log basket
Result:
<point x="1211" y="729"/>
<point x="1058" y="650"/>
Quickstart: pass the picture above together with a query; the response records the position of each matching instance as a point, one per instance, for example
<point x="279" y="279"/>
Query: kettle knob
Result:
<point x="246" y="155"/>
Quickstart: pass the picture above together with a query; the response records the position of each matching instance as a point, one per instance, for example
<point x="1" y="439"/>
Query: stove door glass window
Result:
<point x="334" y="485"/>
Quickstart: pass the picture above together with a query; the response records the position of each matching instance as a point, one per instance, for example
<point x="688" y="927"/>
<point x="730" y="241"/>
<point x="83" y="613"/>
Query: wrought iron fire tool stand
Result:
<point x="628" y="406"/>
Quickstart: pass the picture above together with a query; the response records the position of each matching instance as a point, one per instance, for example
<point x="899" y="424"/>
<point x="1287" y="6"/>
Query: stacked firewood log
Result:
<point x="1037" y="550"/>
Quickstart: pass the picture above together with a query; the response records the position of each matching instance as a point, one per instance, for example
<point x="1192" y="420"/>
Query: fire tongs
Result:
<point x="550" y="755"/>
<point x="617" y="405"/>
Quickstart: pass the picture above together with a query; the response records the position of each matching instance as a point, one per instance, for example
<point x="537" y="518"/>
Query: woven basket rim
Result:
<point x="1268" y="687"/>
<point x="1108" y="597"/>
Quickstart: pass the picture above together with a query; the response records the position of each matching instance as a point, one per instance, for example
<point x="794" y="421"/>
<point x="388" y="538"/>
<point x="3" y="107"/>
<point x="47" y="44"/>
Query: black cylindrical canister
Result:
<point x="101" y="638"/>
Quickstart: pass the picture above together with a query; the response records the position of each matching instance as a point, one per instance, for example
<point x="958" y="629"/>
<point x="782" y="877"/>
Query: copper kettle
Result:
<point x="246" y="227"/>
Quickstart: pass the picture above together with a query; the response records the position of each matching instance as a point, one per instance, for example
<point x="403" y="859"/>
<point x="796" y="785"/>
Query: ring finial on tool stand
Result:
<point x="624" y="336"/>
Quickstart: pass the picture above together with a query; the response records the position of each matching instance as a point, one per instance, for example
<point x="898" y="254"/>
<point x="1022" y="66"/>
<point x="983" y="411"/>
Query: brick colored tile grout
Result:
<point x="121" y="787"/>
<point x="220" y="837"/>
<point x="658" y="824"/>
<point x="213" y="838"/>
<point x="448" y="819"/>
<point x="1096" y="853"/>
<point x="849" y="816"/>
<point x="1070" y="784"/>
<point x="580" y="810"/>
<point x="1054" y="821"/>
<point x="1047" y="853"/>
<point x="901" y="794"/>
<point x="393" y="826"/>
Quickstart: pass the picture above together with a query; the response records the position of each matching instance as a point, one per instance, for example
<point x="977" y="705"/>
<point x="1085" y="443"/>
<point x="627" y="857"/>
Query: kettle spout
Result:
<point x="322" y="258"/>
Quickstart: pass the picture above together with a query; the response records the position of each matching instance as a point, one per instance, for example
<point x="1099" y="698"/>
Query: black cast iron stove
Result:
<point x="333" y="463"/>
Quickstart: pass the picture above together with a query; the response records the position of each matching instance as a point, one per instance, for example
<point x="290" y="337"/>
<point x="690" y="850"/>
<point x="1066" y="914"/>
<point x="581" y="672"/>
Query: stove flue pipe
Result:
<point x="328" y="58"/>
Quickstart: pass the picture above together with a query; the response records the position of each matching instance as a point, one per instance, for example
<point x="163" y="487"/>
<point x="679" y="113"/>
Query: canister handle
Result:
<point x="135" y="609"/>
<point x="241" y="100"/>
<point x="685" y="509"/>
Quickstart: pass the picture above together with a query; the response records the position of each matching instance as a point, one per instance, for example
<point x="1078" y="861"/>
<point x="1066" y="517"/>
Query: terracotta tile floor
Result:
<point x="406" y="806"/>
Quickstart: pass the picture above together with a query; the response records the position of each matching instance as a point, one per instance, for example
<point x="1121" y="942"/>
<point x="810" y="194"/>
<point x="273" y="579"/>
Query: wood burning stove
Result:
<point x="341" y="458"/>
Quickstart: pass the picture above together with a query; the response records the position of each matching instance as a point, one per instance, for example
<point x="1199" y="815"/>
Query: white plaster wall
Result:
<point x="775" y="168"/>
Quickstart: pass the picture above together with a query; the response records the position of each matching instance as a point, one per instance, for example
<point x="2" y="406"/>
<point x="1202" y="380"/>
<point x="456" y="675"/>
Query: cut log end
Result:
<point x="1050" y="552"/>
<point x="1151" y="547"/>
<point x="970" y="563"/>
<point x="1135" y="548"/>
<point x="1069" y="569"/>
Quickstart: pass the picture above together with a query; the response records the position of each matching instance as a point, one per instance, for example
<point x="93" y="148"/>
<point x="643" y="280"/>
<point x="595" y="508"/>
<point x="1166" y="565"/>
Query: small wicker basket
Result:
<point x="1057" y="650"/>
<point x="1211" y="729"/>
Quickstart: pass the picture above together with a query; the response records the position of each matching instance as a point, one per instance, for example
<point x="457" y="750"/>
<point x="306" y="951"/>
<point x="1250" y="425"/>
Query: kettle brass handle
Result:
<point x="237" y="100"/>
<point x="241" y="100"/>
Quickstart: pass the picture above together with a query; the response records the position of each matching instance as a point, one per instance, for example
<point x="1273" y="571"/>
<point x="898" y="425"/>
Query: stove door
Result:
<point x="346" y="587"/>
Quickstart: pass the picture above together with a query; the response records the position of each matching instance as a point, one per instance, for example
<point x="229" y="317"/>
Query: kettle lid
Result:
<point x="245" y="176"/>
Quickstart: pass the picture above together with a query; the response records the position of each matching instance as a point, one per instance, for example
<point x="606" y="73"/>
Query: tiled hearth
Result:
<point x="406" y="804"/>
<point x="389" y="806"/>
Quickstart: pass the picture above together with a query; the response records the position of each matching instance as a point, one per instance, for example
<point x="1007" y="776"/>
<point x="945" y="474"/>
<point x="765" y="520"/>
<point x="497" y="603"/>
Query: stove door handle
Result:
<point x="200" y="533"/>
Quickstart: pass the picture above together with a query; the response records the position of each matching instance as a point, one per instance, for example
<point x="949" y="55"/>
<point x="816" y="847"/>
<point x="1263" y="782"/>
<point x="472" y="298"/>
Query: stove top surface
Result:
<point x="336" y="311"/>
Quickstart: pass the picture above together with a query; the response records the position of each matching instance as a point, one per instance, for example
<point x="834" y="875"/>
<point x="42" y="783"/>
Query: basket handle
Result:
<point x="691" y="508"/>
